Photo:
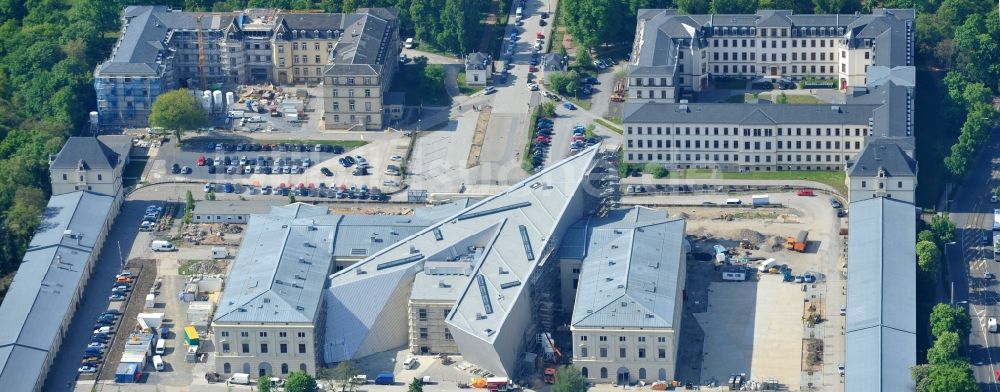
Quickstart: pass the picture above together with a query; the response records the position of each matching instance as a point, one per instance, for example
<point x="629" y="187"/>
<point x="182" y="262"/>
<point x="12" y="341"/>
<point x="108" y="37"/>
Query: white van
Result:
<point x="519" y="13"/>
<point x="408" y="44"/>
<point x="161" y="347"/>
<point x="992" y="324"/>
<point x="239" y="378"/>
<point x="158" y="362"/>
<point x="734" y="202"/>
<point x="162" y="246"/>
<point x="410" y="362"/>
<point x="767" y="264"/>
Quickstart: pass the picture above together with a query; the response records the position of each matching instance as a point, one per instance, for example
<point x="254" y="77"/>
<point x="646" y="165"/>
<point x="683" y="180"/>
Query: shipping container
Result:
<point x="128" y="373"/>
<point x="191" y="335"/>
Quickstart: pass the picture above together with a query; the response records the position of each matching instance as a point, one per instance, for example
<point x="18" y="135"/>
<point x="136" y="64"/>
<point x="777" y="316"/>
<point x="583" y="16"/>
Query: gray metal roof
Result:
<point x="365" y="45"/>
<point x="514" y="230"/>
<point x="87" y="152"/>
<point x="631" y="273"/>
<point x="141" y="49"/>
<point x="725" y="113"/>
<point x="880" y="155"/>
<point x="51" y="273"/>
<point x="881" y="301"/>
<point x="360" y="236"/>
<point x="477" y="61"/>
<point x="278" y="274"/>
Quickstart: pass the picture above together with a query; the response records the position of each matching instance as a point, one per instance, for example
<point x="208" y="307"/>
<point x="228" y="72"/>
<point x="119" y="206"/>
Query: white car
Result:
<point x="96" y="345"/>
<point x="209" y="187"/>
<point x="993" y="198"/>
<point x="533" y="86"/>
<point x="87" y="369"/>
<point x="390" y="183"/>
<point x="396" y="158"/>
<point x="104" y="329"/>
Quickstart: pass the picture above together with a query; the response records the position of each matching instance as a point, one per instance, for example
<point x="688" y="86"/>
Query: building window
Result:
<point x="284" y="368"/>
<point x="661" y="353"/>
<point x="225" y="347"/>
<point x="244" y="334"/>
<point x="603" y="352"/>
<point x="583" y="352"/>
<point x="263" y="348"/>
<point x="302" y="334"/>
<point x="603" y="338"/>
<point x="642" y="352"/>
<point x="422" y="314"/>
<point x="423" y="333"/>
<point x="604" y="372"/>
<point x="282" y="334"/>
<point x="283" y="348"/>
<point x="661" y="339"/>
<point x="302" y="349"/>
<point x="245" y="347"/>
<point x="583" y="338"/>
<point x="447" y="334"/>
<point x="621" y="352"/>
<point x="262" y="334"/>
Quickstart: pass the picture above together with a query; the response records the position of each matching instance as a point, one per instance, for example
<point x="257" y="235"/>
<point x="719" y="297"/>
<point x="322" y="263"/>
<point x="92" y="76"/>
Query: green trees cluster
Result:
<point x="569" y="379"/>
<point x="48" y="50"/>
<point x="178" y="111"/>
<point x="567" y="83"/>
<point x="946" y="368"/>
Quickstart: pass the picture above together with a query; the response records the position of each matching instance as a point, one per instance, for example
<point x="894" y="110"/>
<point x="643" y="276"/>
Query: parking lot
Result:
<point x="251" y="165"/>
<point x="756" y="327"/>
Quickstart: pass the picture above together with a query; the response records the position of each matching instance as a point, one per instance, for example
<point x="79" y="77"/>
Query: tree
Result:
<point x="693" y="7"/>
<point x="945" y="318"/>
<point x="919" y="373"/>
<point x="569" y="379"/>
<point x="943" y="229"/>
<point x="188" y="207"/>
<point x="945" y="350"/>
<point x="655" y="169"/>
<point x="929" y="259"/>
<point x="300" y="381"/>
<point x="926" y="235"/>
<point x="734" y="6"/>
<point x="416" y="385"/>
<point x="345" y="372"/>
<point x="782" y="99"/>
<point x="179" y="111"/>
<point x="955" y="377"/>
<point x="559" y="81"/>
<point x="291" y="198"/>
<point x="264" y="383"/>
<point x="583" y="58"/>
<point x="548" y="109"/>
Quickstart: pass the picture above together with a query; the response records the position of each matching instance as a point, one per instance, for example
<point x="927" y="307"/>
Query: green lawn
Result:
<point x="343" y="143"/>
<point x="585" y="104"/>
<point x="801" y="99"/>
<point x="833" y="178"/>
<point x="616" y="127"/>
<point x="466" y="89"/>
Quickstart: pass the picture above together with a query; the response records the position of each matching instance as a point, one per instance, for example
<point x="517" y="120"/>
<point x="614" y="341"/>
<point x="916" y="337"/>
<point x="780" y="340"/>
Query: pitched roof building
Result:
<point x="46" y="290"/>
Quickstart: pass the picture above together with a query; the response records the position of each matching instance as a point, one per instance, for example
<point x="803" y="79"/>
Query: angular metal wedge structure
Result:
<point x="508" y="238"/>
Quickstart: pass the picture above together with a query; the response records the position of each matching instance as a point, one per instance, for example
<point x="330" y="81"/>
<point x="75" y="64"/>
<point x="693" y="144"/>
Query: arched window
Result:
<point x="227" y="368"/>
<point x="284" y="368"/>
<point x="663" y="374"/>
<point x="246" y="367"/>
<point x="302" y="367"/>
<point x="642" y="373"/>
<point x="604" y="372"/>
<point x="583" y="371"/>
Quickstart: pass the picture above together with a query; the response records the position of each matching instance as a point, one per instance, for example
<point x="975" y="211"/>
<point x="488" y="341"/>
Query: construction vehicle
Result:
<point x="799" y="242"/>
<point x="552" y="356"/>
<point x="618" y="94"/>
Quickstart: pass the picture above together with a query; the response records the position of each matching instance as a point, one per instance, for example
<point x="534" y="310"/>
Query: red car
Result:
<point x="805" y="192"/>
<point x="532" y="68"/>
<point x="201" y="161"/>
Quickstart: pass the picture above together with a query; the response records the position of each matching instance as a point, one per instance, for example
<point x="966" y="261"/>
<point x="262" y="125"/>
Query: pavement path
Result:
<point x="969" y="258"/>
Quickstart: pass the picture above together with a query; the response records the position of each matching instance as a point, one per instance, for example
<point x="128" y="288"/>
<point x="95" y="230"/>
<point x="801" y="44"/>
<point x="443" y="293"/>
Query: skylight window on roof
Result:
<point x="485" y="293"/>
<point x="405" y="260"/>
<point x="527" y="244"/>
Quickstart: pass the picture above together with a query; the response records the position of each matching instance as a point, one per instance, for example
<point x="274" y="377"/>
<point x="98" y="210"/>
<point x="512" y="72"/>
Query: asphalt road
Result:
<point x="94" y="300"/>
<point x="972" y="213"/>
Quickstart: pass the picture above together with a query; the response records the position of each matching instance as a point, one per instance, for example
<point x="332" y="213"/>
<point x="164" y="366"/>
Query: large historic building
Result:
<point x="675" y="57"/>
<point x="161" y="49"/>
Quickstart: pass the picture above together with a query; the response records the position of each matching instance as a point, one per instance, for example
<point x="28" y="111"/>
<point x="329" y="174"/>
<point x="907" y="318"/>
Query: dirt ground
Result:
<point x="754" y="327"/>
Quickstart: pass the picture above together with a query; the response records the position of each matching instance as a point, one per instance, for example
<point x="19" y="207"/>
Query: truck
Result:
<point x="991" y="324"/>
<point x="799" y="242"/>
<point x="239" y="378"/>
<point x="385" y="378"/>
<point x="760" y="200"/>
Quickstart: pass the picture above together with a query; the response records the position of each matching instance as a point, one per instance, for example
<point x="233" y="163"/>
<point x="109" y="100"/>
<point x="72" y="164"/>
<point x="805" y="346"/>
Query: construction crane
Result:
<point x="201" y="52"/>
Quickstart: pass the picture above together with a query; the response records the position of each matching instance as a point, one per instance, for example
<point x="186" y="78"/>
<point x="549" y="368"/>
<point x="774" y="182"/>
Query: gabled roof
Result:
<point x="726" y="113"/>
<point x="278" y="274"/>
<point x="365" y="44"/>
<point x="882" y="156"/>
<point x="88" y="153"/>
<point x="477" y="61"/>
<point x="881" y="301"/>
<point x="631" y="273"/>
<point x="43" y="292"/>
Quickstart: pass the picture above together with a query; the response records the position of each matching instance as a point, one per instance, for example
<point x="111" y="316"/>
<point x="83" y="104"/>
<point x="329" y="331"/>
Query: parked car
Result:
<point x="569" y="106"/>
<point x="836" y="203"/>
<point x="175" y="169"/>
<point x="87" y="369"/>
<point x="326" y="172"/>
<point x="117" y="297"/>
